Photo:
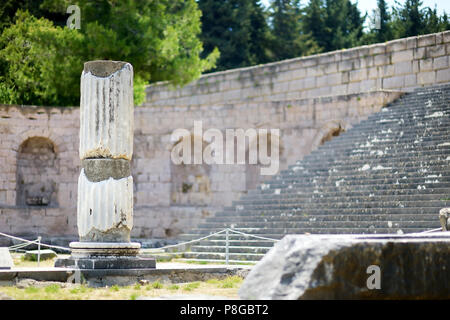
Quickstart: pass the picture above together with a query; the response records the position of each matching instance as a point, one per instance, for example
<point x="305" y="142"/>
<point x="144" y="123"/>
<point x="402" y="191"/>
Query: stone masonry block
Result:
<point x="440" y="63"/>
<point x="443" y="75"/>
<point x="403" y="67"/>
<point x="345" y="65"/>
<point x="393" y="82"/>
<point x="446" y="36"/>
<point x="358" y="75"/>
<point x="426" y="40"/>
<point x="405" y="55"/>
<point x="426" y="77"/>
<point x="381" y="59"/>
<point x="420" y="53"/>
<point x="411" y="43"/>
<point x="426" y="64"/>
<point x="436" y="51"/>
<point x="396" y="45"/>
<point x="410" y="80"/>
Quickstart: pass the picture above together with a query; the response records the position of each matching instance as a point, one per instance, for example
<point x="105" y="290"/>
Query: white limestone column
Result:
<point x="105" y="185"/>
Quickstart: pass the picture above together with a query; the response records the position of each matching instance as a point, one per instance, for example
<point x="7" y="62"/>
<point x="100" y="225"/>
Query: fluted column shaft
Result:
<point x="105" y="185"/>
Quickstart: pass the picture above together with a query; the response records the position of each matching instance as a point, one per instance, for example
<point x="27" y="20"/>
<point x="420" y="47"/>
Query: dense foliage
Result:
<point x="297" y="28"/>
<point x="41" y="63"/>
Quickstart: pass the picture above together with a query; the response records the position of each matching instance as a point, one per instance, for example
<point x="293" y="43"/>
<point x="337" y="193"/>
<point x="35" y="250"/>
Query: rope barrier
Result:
<point x="35" y="242"/>
<point x="432" y="230"/>
<point x="214" y="234"/>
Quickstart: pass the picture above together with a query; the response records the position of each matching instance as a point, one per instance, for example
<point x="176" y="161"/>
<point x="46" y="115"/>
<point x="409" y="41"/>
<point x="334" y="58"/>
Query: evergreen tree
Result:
<point x="238" y="29"/>
<point x="288" y="39"/>
<point x="409" y="19"/>
<point x="314" y="22"/>
<point x="383" y="32"/>
<point x="334" y="24"/>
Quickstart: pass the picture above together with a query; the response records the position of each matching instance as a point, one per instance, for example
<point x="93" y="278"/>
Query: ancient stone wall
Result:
<point x="395" y="65"/>
<point x="39" y="145"/>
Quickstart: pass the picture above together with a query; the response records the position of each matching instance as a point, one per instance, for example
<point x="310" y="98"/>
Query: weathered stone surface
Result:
<point x="97" y="170"/>
<point x="106" y="110"/>
<point x="444" y="218"/>
<point x="6" y="261"/>
<point x="413" y="266"/>
<point x="105" y="209"/>
<point x="45" y="254"/>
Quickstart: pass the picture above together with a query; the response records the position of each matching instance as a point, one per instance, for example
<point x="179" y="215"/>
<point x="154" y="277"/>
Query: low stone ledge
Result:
<point x="411" y="266"/>
<point x="170" y="273"/>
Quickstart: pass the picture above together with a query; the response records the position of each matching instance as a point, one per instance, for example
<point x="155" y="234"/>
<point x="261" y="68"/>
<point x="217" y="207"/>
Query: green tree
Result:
<point x="158" y="37"/>
<point x="288" y="39"/>
<point x="314" y="22"/>
<point x="41" y="63"/>
<point x="238" y="29"/>
<point x="409" y="19"/>
<point x="334" y="24"/>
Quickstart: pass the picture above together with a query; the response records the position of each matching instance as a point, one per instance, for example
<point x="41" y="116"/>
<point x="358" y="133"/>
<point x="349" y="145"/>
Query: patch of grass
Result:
<point x="213" y="281"/>
<point x="115" y="288"/>
<point x="231" y="282"/>
<point x="31" y="290"/>
<point x="53" y="288"/>
<point x="78" y="290"/>
<point x="173" y="287"/>
<point x="137" y="286"/>
<point x="191" y="286"/>
<point x="133" y="296"/>
<point x="157" y="285"/>
<point x="226" y="287"/>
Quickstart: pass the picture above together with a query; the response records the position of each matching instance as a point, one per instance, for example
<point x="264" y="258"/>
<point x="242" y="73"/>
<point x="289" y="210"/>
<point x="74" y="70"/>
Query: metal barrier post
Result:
<point x="226" y="247"/>
<point x="39" y="250"/>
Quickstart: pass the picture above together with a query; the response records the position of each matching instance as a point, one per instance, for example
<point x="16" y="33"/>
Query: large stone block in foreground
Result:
<point x="412" y="266"/>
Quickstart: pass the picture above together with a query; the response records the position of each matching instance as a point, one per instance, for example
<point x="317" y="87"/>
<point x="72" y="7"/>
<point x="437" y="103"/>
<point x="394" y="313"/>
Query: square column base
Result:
<point x="107" y="263"/>
<point x="106" y="255"/>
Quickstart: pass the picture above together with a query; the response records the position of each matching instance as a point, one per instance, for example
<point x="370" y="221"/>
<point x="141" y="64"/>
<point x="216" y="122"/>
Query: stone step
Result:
<point x="400" y="117"/>
<point x="371" y="155"/>
<point x="231" y="249"/>
<point x="280" y="232"/>
<point x="237" y="243"/>
<point x="279" y="225"/>
<point x="340" y="180"/>
<point x="410" y="164"/>
<point x="339" y="205"/>
<point x="235" y="257"/>
<point x="216" y="261"/>
<point x="298" y="217"/>
<point x="351" y="193"/>
<point x="380" y="172"/>
<point x="366" y="184"/>
<point x="364" y="143"/>
<point x="441" y="198"/>
<point x="316" y="211"/>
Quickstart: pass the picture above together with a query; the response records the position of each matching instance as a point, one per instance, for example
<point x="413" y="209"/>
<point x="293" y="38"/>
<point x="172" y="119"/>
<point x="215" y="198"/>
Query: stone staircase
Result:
<point x="387" y="174"/>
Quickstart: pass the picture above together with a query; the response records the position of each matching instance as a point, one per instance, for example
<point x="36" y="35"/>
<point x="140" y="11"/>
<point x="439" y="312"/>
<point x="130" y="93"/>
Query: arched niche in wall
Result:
<point x="37" y="172"/>
<point x="190" y="183"/>
<point x="253" y="175"/>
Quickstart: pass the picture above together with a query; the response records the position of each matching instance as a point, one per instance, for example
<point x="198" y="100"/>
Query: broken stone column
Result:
<point x="105" y="185"/>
